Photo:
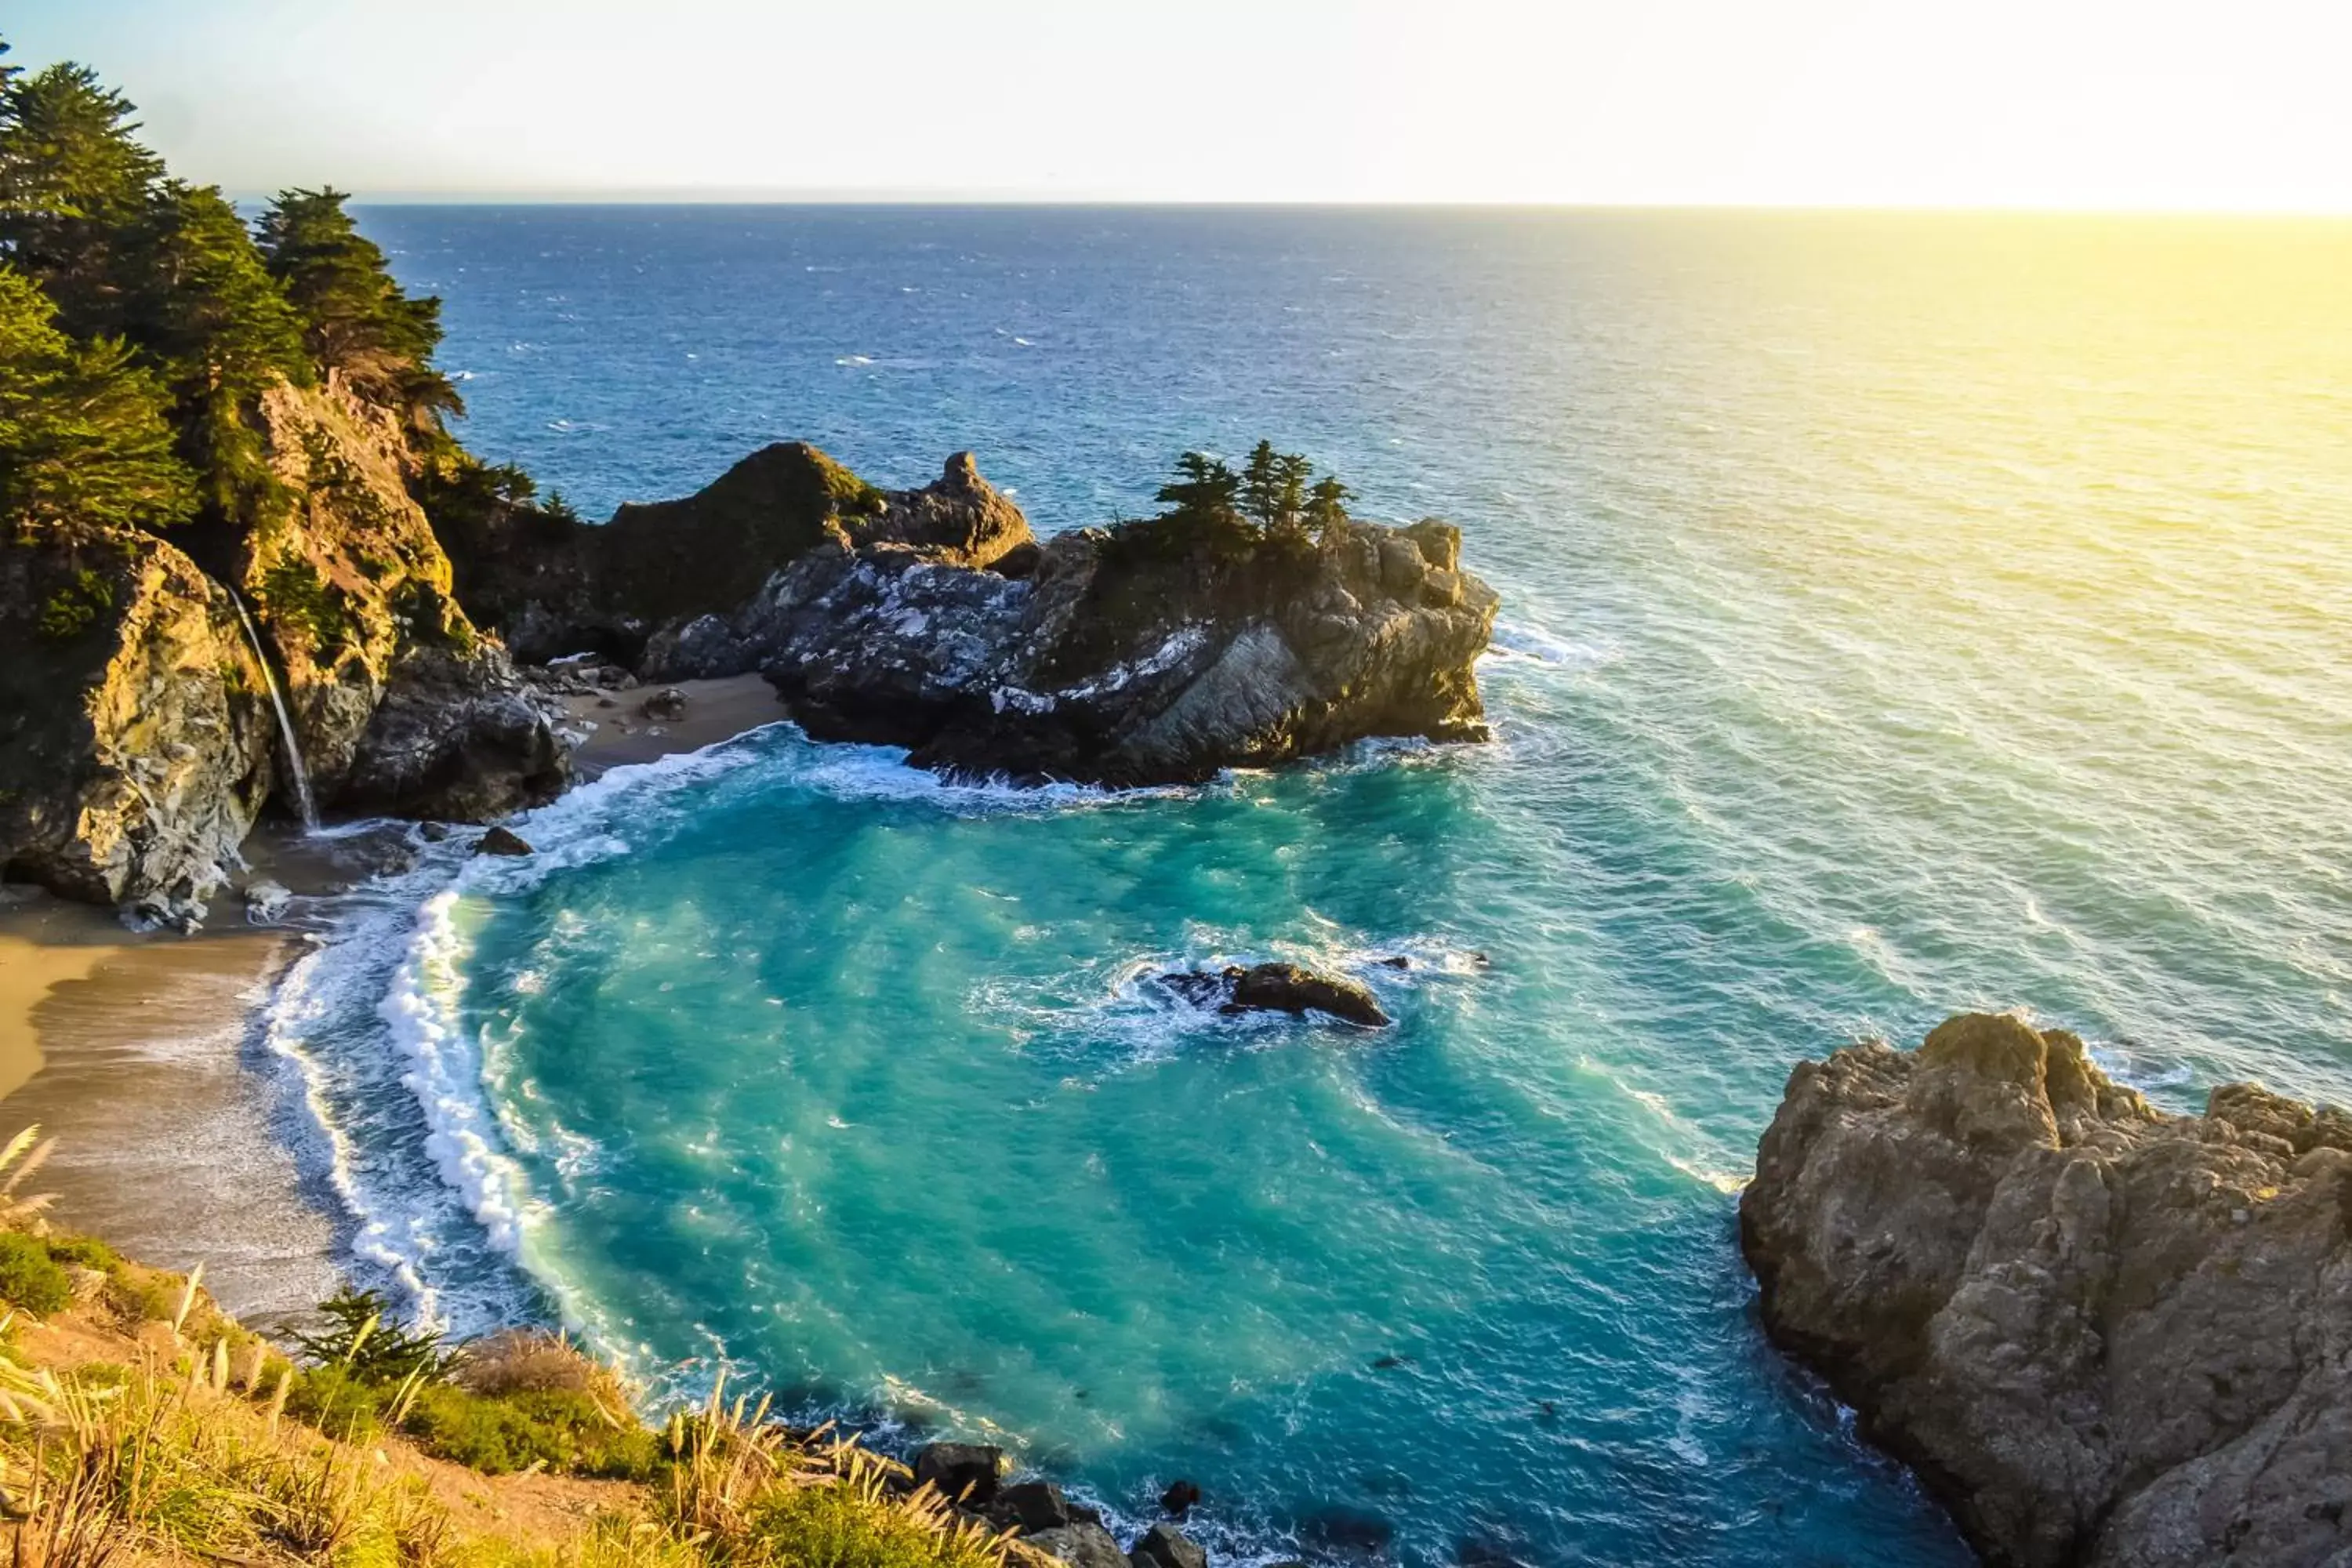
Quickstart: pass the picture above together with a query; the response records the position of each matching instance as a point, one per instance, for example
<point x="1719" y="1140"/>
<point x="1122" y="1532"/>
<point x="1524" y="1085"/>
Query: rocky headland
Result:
<point x="375" y="607"/>
<point x="2100" y="1333"/>
<point x="1149" y="652"/>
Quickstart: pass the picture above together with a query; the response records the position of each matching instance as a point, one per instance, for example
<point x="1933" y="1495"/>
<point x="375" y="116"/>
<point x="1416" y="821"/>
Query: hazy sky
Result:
<point x="2229" y="104"/>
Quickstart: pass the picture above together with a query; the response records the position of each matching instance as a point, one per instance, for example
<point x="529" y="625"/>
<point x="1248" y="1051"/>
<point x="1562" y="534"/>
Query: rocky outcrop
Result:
<point x="1274" y="988"/>
<point x="135" y="729"/>
<point x="652" y="587"/>
<point x="2102" y="1334"/>
<point x="1132" y="656"/>
<point x="400" y="705"/>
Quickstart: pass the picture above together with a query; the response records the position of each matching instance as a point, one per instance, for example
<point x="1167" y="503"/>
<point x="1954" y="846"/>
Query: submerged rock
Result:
<point x="1277" y="988"/>
<point x="1180" y="1497"/>
<point x="2101" y="1333"/>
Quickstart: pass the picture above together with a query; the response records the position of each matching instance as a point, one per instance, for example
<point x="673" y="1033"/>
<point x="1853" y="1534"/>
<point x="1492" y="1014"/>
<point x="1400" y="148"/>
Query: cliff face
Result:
<point x="401" y="705"/>
<point x="2102" y="1334"/>
<point x="136" y="736"/>
<point x="555" y="586"/>
<point x="1127" y="658"/>
<point x="140" y="743"/>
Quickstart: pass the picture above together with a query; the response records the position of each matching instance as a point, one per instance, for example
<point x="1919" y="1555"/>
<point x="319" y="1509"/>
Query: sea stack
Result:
<point x="2101" y="1334"/>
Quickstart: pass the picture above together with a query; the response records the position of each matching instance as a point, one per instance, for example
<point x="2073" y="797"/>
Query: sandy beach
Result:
<point x="140" y="1052"/>
<point x="715" y="710"/>
<point x="133" y="1051"/>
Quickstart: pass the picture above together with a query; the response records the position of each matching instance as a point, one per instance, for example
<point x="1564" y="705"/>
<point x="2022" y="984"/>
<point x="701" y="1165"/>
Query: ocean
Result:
<point x="1901" y="614"/>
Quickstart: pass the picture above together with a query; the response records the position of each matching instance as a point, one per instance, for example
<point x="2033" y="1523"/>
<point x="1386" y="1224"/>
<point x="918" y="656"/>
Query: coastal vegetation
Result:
<point x="1276" y="496"/>
<point x="140" y="1424"/>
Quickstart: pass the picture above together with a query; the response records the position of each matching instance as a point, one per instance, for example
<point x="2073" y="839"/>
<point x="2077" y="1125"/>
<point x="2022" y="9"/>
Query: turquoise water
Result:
<point x="1900" y="616"/>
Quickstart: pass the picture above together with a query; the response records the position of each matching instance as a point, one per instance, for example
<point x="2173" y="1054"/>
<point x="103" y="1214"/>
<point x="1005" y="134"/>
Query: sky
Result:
<point x="2223" y="105"/>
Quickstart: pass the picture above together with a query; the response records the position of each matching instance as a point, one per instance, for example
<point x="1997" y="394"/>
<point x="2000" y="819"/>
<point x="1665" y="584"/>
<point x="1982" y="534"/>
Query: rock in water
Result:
<point x="1032" y="1507"/>
<point x="1277" y="988"/>
<point x="500" y="841"/>
<point x="1287" y="988"/>
<point x="1165" y="1546"/>
<point x="1180" y="1497"/>
<point x="2102" y="1334"/>
<point x="964" y="1473"/>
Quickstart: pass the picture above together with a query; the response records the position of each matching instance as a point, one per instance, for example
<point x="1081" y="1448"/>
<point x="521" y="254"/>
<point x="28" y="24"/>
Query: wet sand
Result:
<point x="136" y="1053"/>
<point x="141" y="1053"/>
<point x="715" y="710"/>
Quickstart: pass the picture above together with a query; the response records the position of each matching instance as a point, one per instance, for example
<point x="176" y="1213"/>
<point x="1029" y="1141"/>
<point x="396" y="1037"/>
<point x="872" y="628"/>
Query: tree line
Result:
<point x="141" y="319"/>
<point x="1274" y="496"/>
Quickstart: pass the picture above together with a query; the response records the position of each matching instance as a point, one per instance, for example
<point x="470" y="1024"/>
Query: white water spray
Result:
<point x="285" y="722"/>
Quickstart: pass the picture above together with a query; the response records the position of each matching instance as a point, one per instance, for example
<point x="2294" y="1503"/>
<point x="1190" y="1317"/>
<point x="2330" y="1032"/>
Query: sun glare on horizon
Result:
<point x="2089" y="104"/>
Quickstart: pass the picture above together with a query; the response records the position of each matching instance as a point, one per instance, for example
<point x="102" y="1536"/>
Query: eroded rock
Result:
<point x="2102" y="1334"/>
<point x="1278" y="988"/>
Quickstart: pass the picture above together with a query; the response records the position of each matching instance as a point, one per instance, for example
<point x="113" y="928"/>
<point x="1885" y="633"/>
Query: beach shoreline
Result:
<point x="179" y="1134"/>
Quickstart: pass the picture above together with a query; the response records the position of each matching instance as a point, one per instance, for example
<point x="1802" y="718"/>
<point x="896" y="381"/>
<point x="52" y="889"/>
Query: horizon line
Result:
<point x="823" y="198"/>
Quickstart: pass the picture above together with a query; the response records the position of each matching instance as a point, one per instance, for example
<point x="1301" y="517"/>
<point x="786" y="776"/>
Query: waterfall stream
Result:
<point x="302" y="800"/>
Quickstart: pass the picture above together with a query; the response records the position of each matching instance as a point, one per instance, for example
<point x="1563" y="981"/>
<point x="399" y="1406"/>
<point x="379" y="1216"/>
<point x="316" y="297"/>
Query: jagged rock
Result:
<point x="136" y="737"/>
<point x="1130" y="657"/>
<point x="1180" y="1497"/>
<point x="1277" y="988"/>
<point x="1080" y="1544"/>
<point x="933" y="619"/>
<point x="502" y="841"/>
<point x="456" y="736"/>
<point x="960" y="1472"/>
<point x="2102" y="1334"/>
<point x="1165" y="1546"/>
<point x="1032" y="1506"/>
<point x="265" y="901"/>
<point x="653" y="586"/>
<point x="667" y="705"/>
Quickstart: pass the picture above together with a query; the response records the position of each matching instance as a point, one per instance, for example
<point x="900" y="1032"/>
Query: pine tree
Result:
<point x="1261" y="483"/>
<point x="215" y="324"/>
<point x="83" y="437"/>
<point x="1291" y="473"/>
<point x="73" y="181"/>
<point x="1326" y="506"/>
<point x="357" y="322"/>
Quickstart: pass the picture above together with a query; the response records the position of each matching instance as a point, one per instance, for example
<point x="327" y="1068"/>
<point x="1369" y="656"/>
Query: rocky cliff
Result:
<point x="139" y="739"/>
<point x="932" y="619"/>
<point x="2102" y="1334"/>
<point x="136" y="739"/>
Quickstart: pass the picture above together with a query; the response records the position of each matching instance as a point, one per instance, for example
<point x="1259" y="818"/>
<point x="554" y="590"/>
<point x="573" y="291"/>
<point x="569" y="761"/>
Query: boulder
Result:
<point x="1180" y="1497"/>
<point x="1031" y="1507"/>
<point x="1277" y="988"/>
<point x="502" y="841"/>
<point x="1080" y="1544"/>
<point x="2102" y="1334"/>
<point x="1165" y="1546"/>
<point x="265" y="901"/>
<point x="665" y="706"/>
<point x="1288" y="988"/>
<point x="459" y="737"/>
<point x="964" y="1473"/>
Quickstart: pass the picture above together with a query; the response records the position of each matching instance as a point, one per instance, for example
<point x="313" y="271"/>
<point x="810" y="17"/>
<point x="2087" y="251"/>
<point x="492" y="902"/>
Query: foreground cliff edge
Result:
<point x="2100" y="1333"/>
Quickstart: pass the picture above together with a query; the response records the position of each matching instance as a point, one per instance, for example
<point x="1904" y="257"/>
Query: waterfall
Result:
<point x="285" y="722"/>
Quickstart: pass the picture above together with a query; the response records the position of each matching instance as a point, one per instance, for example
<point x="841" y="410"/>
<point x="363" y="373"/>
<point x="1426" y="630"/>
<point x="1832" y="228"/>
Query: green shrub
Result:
<point x="500" y="1435"/>
<point x="69" y="612"/>
<point x="29" y="1279"/>
<point x="86" y="1250"/>
<point x="843" y="1525"/>
<point x="337" y="1403"/>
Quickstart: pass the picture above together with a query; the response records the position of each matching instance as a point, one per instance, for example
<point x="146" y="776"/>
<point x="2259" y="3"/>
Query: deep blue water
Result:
<point x="1901" y="615"/>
